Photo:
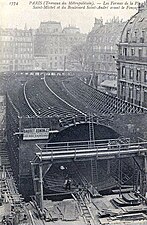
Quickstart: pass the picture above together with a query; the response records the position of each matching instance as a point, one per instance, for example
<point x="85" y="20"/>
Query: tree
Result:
<point x="78" y="58"/>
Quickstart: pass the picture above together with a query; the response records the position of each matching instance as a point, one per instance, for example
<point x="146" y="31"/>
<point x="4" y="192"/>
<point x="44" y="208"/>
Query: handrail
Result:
<point x="85" y="150"/>
<point x="96" y="151"/>
<point x="135" y="58"/>
<point x="79" y="142"/>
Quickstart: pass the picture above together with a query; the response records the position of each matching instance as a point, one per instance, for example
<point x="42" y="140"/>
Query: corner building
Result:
<point x="132" y="59"/>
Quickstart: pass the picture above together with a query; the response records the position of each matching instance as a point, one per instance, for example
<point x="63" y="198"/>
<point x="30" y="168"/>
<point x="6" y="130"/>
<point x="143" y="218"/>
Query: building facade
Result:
<point x="52" y="44"/>
<point x="16" y="48"/>
<point x="45" y="48"/>
<point x="132" y="59"/>
<point x="6" y="49"/>
<point x="102" y="41"/>
<point x="23" y="50"/>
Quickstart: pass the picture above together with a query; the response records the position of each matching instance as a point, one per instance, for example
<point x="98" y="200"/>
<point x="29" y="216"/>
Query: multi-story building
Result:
<point x="43" y="49"/>
<point x="132" y="59"/>
<point x="6" y="49"/>
<point x="52" y="44"/>
<point x="16" y="49"/>
<point x="102" y="43"/>
<point x="23" y="49"/>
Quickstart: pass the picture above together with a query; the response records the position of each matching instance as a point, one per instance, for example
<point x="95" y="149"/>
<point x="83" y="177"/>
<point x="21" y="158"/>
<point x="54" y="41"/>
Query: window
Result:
<point x="140" y="52"/>
<point x="137" y="94"/>
<point x="125" y="52"/>
<point x="135" y="36"/>
<point x="123" y="71"/>
<point x="131" y="74"/>
<point x="145" y="76"/>
<point x="145" y="96"/>
<point x="127" y="35"/>
<point x="130" y="92"/>
<point x="123" y="90"/>
<point x="132" y="51"/>
<point x="141" y="19"/>
<point x="142" y="37"/>
<point x="138" y="75"/>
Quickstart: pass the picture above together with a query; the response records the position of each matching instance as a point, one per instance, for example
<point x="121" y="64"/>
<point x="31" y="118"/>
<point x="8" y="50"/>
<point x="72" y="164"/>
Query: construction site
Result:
<point x="68" y="159"/>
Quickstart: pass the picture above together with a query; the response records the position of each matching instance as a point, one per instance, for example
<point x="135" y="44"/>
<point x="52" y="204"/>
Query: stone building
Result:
<point x="103" y="41"/>
<point x="6" y="49"/>
<point x="132" y="59"/>
<point x="43" y="49"/>
<point x="16" y="49"/>
<point x="52" y="44"/>
<point x="23" y="49"/>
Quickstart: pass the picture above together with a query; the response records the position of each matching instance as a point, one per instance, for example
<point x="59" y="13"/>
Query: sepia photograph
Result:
<point x="73" y="112"/>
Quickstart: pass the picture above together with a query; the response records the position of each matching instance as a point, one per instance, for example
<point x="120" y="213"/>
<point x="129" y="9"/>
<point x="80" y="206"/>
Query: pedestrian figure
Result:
<point x="67" y="184"/>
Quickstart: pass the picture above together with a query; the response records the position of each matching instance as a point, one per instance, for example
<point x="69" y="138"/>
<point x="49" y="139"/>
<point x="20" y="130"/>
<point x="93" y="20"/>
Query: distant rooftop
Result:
<point x="109" y="83"/>
<point x="50" y="22"/>
<point x="71" y="29"/>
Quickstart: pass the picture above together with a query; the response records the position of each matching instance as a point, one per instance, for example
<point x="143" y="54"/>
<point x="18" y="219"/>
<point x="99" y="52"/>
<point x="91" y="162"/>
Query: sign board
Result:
<point x="35" y="133"/>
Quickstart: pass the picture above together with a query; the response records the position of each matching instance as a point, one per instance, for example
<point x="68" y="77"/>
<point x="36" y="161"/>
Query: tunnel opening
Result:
<point x="80" y="132"/>
<point x="80" y="170"/>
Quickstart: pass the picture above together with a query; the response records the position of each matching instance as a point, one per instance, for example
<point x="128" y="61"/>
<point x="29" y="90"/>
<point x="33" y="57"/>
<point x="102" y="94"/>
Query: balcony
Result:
<point x="132" y="58"/>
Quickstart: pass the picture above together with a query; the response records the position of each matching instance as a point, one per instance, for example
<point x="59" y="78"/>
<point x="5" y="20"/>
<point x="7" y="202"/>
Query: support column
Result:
<point x="34" y="177"/>
<point x="41" y="186"/>
<point x="143" y="176"/>
<point x="120" y="175"/>
<point x="36" y="182"/>
<point x="39" y="169"/>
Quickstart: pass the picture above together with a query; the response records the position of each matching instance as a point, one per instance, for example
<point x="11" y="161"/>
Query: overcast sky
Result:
<point x="18" y="15"/>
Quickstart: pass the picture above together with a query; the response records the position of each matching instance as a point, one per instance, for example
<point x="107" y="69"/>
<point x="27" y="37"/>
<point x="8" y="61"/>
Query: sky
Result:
<point x="17" y="13"/>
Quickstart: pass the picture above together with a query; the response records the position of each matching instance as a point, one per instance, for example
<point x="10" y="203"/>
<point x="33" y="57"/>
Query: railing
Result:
<point x="102" y="148"/>
<point x="46" y="72"/>
<point x="133" y="58"/>
<point x="46" y="146"/>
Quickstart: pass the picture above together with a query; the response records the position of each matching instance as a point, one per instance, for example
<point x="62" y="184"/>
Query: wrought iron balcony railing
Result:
<point x="132" y="58"/>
